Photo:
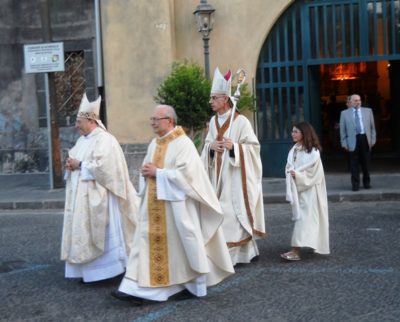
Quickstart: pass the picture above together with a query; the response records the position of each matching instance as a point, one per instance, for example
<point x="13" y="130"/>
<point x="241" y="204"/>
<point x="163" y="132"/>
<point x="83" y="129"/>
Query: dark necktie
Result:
<point x="358" y="122"/>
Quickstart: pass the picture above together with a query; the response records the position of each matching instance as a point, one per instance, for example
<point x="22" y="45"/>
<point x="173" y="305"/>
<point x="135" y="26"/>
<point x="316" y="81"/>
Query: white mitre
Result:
<point x="221" y="83"/>
<point x="91" y="110"/>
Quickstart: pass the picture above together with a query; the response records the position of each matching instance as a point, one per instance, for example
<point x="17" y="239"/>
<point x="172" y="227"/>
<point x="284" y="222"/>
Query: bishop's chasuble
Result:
<point x="100" y="209"/>
<point x="240" y="188"/>
<point x="178" y="242"/>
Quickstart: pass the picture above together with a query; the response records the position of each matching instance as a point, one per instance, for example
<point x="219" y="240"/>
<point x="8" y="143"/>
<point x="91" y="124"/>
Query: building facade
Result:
<point x="302" y="59"/>
<point x="23" y="118"/>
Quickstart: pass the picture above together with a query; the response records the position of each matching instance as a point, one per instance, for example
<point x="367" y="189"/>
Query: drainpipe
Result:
<point x="99" y="61"/>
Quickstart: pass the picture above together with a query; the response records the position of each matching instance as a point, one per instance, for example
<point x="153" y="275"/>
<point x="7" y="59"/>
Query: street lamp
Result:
<point x="204" y="18"/>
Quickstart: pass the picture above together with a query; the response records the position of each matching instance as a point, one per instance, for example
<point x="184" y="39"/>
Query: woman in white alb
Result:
<point x="306" y="192"/>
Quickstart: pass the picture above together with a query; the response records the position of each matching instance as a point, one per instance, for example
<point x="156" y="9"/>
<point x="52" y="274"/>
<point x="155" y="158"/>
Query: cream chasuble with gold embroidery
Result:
<point x="178" y="237"/>
<point x="86" y="206"/>
<point x="240" y="193"/>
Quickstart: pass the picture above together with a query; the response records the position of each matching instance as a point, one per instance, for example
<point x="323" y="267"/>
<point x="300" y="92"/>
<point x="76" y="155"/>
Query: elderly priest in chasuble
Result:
<point x="231" y="155"/>
<point x="178" y="244"/>
<point x="101" y="202"/>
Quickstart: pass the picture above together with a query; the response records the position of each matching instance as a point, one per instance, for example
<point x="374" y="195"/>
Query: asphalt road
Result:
<point x="359" y="281"/>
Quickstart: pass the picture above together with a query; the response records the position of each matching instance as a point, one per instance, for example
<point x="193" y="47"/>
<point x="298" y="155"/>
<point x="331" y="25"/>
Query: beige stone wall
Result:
<point x="141" y="38"/>
<point x="138" y="46"/>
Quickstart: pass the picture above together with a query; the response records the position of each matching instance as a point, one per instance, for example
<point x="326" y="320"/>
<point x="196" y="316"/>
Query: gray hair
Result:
<point x="170" y="112"/>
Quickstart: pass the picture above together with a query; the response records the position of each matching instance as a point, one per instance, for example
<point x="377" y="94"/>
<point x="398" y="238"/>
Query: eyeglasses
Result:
<point x="215" y="97"/>
<point x="157" y="119"/>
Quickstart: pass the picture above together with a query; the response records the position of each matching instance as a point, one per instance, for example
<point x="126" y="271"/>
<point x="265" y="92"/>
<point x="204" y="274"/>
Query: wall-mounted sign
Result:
<point x="44" y="58"/>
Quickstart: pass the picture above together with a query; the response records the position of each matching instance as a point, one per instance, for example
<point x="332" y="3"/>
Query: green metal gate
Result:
<point x="308" y="34"/>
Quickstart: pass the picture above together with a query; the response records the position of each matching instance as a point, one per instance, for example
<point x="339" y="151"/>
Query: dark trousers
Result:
<point x="361" y="156"/>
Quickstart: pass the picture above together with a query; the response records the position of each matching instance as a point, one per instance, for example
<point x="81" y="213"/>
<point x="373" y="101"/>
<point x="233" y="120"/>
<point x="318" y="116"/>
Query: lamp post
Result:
<point x="204" y="18"/>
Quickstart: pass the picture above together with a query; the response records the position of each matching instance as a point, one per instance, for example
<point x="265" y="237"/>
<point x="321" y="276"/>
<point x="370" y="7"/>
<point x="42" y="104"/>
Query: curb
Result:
<point x="44" y="204"/>
<point x="389" y="195"/>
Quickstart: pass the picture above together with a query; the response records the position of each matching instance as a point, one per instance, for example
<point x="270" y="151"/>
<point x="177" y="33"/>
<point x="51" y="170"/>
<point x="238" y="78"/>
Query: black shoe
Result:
<point x="355" y="188"/>
<point x="255" y="259"/>
<point x="367" y="186"/>
<point x="81" y="281"/>
<point x="100" y="282"/>
<point x="128" y="298"/>
<point x="183" y="295"/>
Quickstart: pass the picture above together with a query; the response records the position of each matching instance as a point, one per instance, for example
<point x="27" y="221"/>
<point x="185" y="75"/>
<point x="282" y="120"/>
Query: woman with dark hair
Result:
<point x="306" y="192"/>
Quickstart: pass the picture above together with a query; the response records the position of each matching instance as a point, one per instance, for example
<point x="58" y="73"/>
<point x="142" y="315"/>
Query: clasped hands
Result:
<point x="72" y="164"/>
<point x="219" y="146"/>
<point x="292" y="172"/>
<point x="148" y="170"/>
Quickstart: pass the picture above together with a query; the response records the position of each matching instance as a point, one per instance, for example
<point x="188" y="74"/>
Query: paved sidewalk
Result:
<point x="31" y="191"/>
<point x="385" y="186"/>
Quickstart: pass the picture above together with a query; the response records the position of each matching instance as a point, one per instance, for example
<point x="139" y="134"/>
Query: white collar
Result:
<point x="93" y="133"/>
<point x="165" y="135"/>
<point x="225" y="115"/>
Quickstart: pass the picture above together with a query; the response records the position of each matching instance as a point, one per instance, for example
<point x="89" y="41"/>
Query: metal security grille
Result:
<point x="311" y="33"/>
<point x="70" y="86"/>
<point x="351" y="29"/>
<point x="280" y="78"/>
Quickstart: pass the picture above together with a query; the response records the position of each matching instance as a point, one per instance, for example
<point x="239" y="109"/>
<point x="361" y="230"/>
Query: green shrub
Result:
<point x="188" y="91"/>
<point x="246" y="101"/>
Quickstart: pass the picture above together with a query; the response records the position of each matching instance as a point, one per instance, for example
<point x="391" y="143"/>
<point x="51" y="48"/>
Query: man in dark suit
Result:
<point x="358" y="136"/>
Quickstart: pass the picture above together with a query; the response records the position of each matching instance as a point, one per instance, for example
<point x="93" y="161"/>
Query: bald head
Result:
<point x="168" y="111"/>
<point x="163" y="119"/>
<point x="355" y="101"/>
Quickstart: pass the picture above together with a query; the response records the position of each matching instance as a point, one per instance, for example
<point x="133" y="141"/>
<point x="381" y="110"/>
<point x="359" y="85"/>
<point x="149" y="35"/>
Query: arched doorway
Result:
<point x="317" y="53"/>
